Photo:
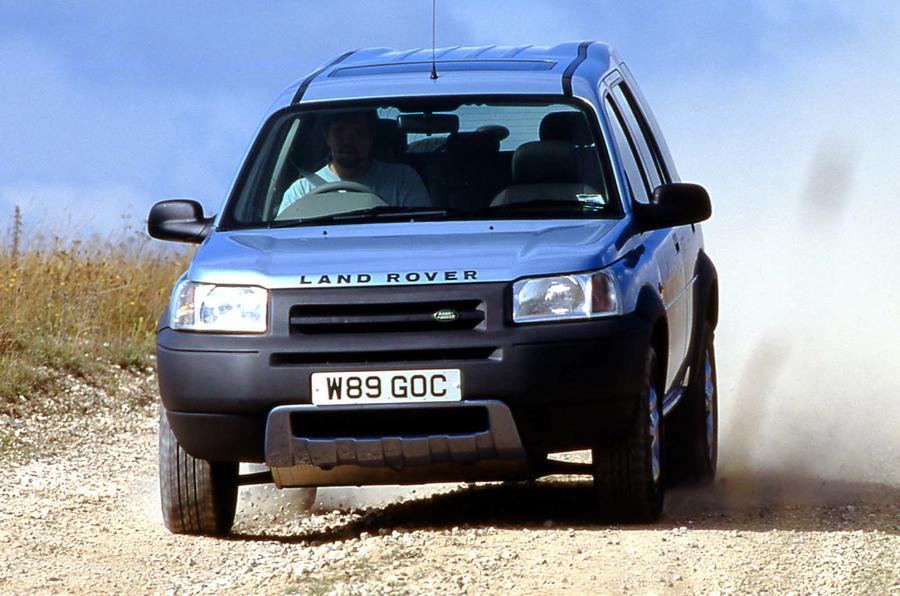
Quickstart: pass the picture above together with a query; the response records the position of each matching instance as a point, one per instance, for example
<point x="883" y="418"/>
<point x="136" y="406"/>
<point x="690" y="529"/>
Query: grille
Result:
<point x="380" y="357"/>
<point x="310" y="319"/>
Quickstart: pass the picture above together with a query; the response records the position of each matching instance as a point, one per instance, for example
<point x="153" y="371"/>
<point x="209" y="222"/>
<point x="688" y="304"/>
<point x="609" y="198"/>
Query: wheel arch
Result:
<point x="650" y="308"/>
<point x="706" y="295"/>
<point x="706" y="307"/>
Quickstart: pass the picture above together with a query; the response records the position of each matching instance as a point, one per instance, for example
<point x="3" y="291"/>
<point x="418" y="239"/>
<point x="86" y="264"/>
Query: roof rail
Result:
<point x="305" y="84"/>
<point x="570" y="70"/>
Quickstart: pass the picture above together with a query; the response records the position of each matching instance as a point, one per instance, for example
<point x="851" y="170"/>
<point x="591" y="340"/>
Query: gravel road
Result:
<point x="79" y="512"/>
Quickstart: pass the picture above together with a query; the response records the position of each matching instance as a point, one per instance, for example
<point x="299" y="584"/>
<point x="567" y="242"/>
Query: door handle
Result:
<point x="677" y="245"/>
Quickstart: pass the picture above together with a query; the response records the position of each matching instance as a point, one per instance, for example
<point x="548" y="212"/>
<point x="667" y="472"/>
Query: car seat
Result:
<point x="544" y="170"/>
<point x="572" y="127"/>
<point x="390" y="141"/>
<point x="464" y="172"/>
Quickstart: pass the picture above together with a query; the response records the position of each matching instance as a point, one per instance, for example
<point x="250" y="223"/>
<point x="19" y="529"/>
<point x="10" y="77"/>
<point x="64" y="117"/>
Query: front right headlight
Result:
<point x="565" y="297"/>
<point x="219" y="309"/>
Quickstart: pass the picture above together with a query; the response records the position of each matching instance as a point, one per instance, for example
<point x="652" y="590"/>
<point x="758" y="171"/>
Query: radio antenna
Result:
<point x="434" y="74"/>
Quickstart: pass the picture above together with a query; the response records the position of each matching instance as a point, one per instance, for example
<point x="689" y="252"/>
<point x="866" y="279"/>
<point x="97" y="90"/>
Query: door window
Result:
<point x="636" y="121"/>
<point x="634" y="169"/>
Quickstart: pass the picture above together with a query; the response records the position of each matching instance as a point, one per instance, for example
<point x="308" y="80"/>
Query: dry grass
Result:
<point x="73" y="306"/>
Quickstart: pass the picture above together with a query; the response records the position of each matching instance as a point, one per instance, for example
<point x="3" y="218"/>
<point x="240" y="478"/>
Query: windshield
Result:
<point x="424" y="160"/>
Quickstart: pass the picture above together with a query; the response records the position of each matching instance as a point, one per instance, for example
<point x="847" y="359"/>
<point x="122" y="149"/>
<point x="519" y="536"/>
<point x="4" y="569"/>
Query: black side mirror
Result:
<point x="676" y="204"/>
<point x="179" y="220"/>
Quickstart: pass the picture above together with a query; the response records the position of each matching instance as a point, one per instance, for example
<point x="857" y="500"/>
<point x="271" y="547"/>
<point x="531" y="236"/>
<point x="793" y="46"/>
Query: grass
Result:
<point x="71" y="307"/>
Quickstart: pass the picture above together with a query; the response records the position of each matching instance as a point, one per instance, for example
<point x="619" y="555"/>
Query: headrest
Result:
<point x="571" y="127"/>
<point x="543" y="162"/>
<point x="390" y="142"/>
<point x="469" y="144"/>
<point x="494" y="130"/>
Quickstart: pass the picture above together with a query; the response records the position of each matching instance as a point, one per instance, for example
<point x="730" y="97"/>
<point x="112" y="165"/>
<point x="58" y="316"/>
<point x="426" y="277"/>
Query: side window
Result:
<point x="637" y="137"/>
<point x="639" y="127"/>
<point x="636" y="178"/>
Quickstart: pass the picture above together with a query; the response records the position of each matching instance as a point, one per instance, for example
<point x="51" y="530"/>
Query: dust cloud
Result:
<point x="829" y="184"/>
<point x="285" y="503"/>
<point x="809" y="342"/>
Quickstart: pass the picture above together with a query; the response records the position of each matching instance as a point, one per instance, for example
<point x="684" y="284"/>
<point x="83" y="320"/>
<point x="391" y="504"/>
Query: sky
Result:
<point x="110" y="106"/>
<point x="784" y="109"/>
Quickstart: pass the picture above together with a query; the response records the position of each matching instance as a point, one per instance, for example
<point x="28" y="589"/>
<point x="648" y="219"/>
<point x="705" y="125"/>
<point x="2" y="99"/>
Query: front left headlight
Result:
<point x="565" y="297"/>
<point x="223" y="309"/>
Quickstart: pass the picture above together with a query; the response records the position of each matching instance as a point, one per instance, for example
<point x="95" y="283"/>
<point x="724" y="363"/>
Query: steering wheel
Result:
<point x="342" y="185"/>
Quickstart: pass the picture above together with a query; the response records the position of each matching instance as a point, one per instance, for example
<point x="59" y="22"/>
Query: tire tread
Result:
<point x="622" y="481"/>
<point x="689" y="462"/>
<point x="197" y="496"/>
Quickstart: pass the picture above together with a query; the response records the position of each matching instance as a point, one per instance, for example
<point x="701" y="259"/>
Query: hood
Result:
<point x="404" y="253"/>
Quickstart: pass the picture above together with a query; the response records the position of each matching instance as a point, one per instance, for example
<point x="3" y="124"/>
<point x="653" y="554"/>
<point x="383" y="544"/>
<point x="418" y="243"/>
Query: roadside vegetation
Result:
<point x="76" y="307"/>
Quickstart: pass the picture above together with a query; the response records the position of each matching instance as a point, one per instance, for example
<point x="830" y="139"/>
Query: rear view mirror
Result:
<point x="671" y="205"/>
<point x="179" y="221"/>
<point x="429" y="124"/>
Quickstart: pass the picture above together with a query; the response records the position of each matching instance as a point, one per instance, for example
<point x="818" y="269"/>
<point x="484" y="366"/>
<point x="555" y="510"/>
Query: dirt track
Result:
<point x="80" y="514"/>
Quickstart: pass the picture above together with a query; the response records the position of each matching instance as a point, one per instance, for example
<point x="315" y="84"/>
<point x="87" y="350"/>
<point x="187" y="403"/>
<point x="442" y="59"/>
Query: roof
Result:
<point x="486" y="70"/>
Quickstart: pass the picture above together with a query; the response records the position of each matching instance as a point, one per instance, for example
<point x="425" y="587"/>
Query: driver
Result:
<point x="350" y="136"/>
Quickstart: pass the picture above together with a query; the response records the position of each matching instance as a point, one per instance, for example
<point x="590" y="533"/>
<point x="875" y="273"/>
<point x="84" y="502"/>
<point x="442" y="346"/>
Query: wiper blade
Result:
<point x="379" y="212"/>
<point x="536" y="203"/>
<point x="387" y="211"/>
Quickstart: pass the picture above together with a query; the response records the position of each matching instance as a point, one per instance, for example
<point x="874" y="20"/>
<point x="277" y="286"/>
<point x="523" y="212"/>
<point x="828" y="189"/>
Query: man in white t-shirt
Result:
<point x="350" y="136"/>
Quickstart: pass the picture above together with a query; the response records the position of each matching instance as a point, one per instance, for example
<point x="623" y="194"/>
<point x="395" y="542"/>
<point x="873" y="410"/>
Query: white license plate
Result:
<point x="386" y="386"/>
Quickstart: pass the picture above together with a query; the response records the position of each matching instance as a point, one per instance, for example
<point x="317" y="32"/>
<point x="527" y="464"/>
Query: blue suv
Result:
<point x="440" y="271"/>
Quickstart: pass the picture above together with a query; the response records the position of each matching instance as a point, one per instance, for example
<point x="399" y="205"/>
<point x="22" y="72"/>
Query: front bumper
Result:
<point x="565" y="384"/>
<point x="298" y="455"/>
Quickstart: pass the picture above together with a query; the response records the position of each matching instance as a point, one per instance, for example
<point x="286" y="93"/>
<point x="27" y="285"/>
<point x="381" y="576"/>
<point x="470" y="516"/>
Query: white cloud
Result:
<point x="66" y="131"/>
<point x="68" y="212"/>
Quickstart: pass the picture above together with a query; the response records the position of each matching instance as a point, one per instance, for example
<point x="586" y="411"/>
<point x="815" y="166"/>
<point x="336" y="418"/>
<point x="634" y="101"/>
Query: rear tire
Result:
<point x="628" y="479"/>
<point x="197" y="496"/>
<point x="693" y="442"/>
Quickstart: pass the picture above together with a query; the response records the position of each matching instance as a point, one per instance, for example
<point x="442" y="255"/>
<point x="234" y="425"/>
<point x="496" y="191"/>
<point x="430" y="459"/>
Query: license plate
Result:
<point x="386" y="386"/>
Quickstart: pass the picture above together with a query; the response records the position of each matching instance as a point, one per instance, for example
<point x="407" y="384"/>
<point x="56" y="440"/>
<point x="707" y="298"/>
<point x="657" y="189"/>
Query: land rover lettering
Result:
<point x="401" y="278"/>
<point x="338" y="279"/>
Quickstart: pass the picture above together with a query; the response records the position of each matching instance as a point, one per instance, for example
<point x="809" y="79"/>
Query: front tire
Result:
<point x="197" y="496"/>
<point x="628" y="479"/>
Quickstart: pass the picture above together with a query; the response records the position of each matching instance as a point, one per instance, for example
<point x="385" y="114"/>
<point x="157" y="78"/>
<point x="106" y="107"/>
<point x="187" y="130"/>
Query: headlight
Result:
<point x="208" y="307"/>
<point x="564" y="297"/>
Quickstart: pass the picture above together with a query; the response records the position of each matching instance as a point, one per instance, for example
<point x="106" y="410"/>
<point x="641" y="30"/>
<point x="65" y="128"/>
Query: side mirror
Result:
<point x="179" y="220"/>
<point x="676" y="204"/>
